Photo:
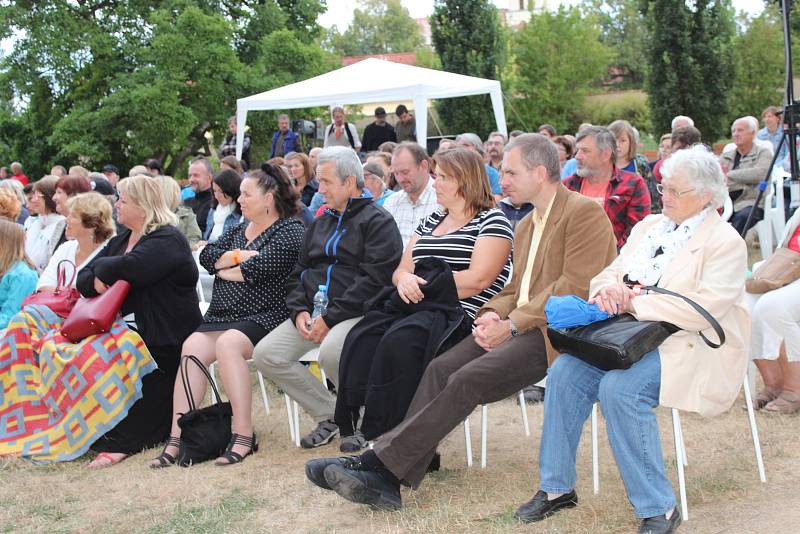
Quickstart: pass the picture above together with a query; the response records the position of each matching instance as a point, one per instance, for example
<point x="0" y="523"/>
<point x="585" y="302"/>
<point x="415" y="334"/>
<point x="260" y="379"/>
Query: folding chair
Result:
<point x="485" y="430"/>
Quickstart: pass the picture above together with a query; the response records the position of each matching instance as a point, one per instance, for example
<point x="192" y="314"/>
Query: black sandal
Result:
<point x="165" y="459"/>
<point x="234" y="457"/>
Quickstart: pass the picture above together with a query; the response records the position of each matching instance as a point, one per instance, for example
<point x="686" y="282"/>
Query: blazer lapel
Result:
<point x="694" y="244"/>
<point x="556" y="212"/>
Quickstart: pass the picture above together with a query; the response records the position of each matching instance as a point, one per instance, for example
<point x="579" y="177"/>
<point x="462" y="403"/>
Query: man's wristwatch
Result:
<point x="514" y="331"/>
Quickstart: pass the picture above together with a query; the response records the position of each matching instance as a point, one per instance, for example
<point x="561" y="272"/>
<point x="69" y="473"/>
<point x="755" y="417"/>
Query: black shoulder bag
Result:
<point x="205" y="432"/>
<point x="620" y="341"/>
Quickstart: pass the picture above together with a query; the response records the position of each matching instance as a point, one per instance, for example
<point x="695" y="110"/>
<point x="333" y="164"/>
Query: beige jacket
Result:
<point x="710" y="270"/>
<point x="752" y="169"/>
<point x="576" y="244"/>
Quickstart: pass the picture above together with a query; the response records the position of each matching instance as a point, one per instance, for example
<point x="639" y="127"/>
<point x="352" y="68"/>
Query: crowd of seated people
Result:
<point x="423" y="318"/>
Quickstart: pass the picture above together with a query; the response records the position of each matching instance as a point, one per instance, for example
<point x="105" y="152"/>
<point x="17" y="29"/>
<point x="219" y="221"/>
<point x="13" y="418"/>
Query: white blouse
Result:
<point x="67" y="251"/>
<point x="42" y="236"/>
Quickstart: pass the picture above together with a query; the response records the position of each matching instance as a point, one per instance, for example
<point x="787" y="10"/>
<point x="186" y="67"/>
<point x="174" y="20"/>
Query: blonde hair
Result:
<point x="148" y="195"/>
<point x="16" y="188"/>
<point x="94" y="211"/>
<point x="10" y="206"/>
<point x="171" y="190"/>
<point x="12" y="246"/>
<point x="620" y="127"/>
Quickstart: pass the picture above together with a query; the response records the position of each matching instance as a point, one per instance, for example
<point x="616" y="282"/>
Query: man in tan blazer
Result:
<point x="560" y="246"/>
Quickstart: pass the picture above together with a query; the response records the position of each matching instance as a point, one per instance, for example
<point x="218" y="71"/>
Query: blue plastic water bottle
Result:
<point x="320" y="303"/>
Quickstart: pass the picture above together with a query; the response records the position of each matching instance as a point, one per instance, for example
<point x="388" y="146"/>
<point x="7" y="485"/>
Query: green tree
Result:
<point x="691" y="63"/>
<point x="760" y="76"/>
<point x="623" y="29"/>
<point x="378" y="27"/>
<point x="554" y="84"/>
<point x="469" y="40"/>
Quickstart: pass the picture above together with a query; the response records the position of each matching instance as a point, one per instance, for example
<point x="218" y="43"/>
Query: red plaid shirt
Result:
<point x="627" y="201"/>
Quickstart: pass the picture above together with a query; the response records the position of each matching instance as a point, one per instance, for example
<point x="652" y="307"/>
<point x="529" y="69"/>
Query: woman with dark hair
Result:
<point x="458" y="259"/>
<point x="303" y="175"/>
<point x="225" y="210"/>
<point x="251" y="262"/>
<point x="566" y="149"/>
<point x="66" y="187"/>
<point x="43" y="233"/>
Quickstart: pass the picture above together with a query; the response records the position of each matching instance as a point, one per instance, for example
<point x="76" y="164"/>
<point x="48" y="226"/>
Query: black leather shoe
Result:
<point x="377" y="488"/>
<point x="315" y="469"/>
<point x="660" y="524"/>
<point x="540" y="508"/>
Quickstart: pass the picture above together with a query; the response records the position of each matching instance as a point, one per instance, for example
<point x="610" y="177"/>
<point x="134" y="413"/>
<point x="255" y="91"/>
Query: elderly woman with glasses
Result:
<point x="689" y="250"/>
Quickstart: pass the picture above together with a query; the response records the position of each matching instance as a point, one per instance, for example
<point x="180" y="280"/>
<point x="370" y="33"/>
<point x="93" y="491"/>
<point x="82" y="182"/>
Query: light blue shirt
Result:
<point x="494" y="180"/>
<point x="775" y="139"/>
<point x="570" y="168"/>
<point x="16" y="284"/>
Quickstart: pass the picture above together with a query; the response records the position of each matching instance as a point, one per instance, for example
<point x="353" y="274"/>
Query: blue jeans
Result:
<point x="628" y="399"/>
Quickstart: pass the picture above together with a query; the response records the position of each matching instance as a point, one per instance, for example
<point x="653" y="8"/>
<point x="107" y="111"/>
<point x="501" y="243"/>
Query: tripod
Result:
<point x="791" y="118"/>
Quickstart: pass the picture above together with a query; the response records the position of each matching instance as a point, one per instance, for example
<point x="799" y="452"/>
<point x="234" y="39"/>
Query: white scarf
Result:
<point x="220" y="214"/>
<point x="647" y="268"/>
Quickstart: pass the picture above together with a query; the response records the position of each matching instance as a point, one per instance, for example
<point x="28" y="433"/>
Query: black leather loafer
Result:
<point x="660" y="524"/>
<point x="315" y="469"/>
<point x="540" y="508"/>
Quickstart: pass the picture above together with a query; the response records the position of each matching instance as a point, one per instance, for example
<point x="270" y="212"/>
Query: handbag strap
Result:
<point x="702" y="311"/>
<point x="62" y="276"/>
<point x="187" y="388"/>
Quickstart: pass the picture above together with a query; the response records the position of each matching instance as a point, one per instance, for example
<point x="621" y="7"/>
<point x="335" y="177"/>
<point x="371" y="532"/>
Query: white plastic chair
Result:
<point x="680" y="449"/>
<point x="212" y="369"/>
<point x="292" y="408"/>
<point x="771" y="227"/>
<point x="485" y="430"/>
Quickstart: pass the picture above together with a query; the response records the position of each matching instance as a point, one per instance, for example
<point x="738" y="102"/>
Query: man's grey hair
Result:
<point x="500" y="134"/>
<point x="536" y="150"/>
<point x="205" y="163"/>
<point x="680" y="118"/>
<point x="701" y="168"/>
<point x="604" y="138"/>
<point x="283" y="116"/>
<point x="15" y="164"/>
<point x="346" y="163"/>
<point x="749" y="120"/>
<point x="472" y="139"/>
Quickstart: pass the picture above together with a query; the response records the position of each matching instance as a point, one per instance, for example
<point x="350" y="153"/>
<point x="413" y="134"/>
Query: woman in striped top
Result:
<point x="474" y="238"/>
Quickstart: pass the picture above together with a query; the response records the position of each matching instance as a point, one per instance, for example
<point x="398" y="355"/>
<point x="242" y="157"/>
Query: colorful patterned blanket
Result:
<point x="57" y="398"/>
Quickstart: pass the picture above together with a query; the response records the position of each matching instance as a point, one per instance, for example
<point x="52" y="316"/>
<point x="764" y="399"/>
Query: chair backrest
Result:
<point x="727" y="209"/>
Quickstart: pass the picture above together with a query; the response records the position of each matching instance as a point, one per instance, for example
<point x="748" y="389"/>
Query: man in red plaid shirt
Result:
<point x="622" y="194"/>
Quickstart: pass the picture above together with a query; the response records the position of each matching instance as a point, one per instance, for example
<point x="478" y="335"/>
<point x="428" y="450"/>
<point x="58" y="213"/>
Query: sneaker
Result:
<point x="377" y="488"/>
<point x="322" y="435"/>
<point x="315" y="469"/>
<point x="353" y="443"/>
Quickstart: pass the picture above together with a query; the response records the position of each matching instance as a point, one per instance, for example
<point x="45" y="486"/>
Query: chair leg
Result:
<point x="296" y="422"/>
<point x="212" y="370"/>
<point x="679" y="455"/>
<point x="290" y="416"/>
<point x="468" y="441"/>
<point x="264" y="396"/>
<point x="484" y="433"/>
<point x="595" y="458"/>
<point x="754" y="430"/>
<point x="524" y="410"/>
<point x="684" y="456"/>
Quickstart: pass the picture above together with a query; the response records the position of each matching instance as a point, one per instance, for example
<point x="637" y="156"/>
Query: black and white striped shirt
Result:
<point x="456" y="249"/>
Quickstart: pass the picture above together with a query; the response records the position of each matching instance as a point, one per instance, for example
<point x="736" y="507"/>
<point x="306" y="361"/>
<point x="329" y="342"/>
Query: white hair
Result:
<point x="684" y="118"/>
<point x="346" y="163"/>
<point x="702" y="169"/>
<point x="751" y="121"/>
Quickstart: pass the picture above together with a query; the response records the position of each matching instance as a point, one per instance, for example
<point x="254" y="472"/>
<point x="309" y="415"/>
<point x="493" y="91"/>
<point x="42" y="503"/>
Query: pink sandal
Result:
<point x="107" y="459"/>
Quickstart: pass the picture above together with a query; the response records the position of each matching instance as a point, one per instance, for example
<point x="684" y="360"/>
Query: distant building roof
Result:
<point x="406" y="58"/>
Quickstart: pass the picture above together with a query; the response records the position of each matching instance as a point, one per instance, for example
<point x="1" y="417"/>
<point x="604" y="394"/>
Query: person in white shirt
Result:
<point x="341" y="133"/>
<point x="43" y="232"/>
<point x="89" y="227"/>
<point x="417" y="199"/>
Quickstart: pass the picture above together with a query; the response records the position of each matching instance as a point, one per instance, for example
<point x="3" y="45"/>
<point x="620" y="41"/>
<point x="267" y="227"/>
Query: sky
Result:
<point x="340" y="12"/>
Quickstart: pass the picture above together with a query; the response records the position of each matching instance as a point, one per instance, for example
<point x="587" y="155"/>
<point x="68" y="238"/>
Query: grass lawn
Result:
<point x="269" y="492"/>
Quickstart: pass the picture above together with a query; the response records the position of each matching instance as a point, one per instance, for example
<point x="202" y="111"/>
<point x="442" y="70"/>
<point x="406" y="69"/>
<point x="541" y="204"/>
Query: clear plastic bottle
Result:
<point x="320" y="303"/>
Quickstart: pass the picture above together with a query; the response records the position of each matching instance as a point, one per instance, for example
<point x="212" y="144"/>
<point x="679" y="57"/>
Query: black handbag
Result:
<point x="205" y="432"/>
<point x="620" y="341"/>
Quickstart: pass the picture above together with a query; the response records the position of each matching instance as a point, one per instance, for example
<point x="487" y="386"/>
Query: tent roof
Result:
<point x="371" y="80"/>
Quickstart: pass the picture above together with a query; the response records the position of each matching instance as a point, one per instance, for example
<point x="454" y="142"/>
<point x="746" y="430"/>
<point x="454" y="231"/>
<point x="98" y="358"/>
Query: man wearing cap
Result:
<point x="378" y="132"/>
<point x="111" y="172"/>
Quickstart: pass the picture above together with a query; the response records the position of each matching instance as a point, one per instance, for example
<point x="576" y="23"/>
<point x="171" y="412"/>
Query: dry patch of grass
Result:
<point x="269" y="493"/>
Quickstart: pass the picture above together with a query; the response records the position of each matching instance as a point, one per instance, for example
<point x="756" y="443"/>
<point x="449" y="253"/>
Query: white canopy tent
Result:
<point x="373" y="80"/>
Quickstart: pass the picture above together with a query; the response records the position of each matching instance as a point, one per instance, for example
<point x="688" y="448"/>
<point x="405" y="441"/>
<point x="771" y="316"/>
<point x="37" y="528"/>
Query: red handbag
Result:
<point x="95" y="315"/>
<point x="63" y="298"/>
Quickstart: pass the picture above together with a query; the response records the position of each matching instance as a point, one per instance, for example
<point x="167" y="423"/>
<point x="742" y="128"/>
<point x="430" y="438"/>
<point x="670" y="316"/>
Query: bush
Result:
<point x="631" y="106"/>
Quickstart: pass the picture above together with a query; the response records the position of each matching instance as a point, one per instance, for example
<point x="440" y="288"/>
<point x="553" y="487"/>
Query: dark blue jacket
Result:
<point x="291" y="143"/>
